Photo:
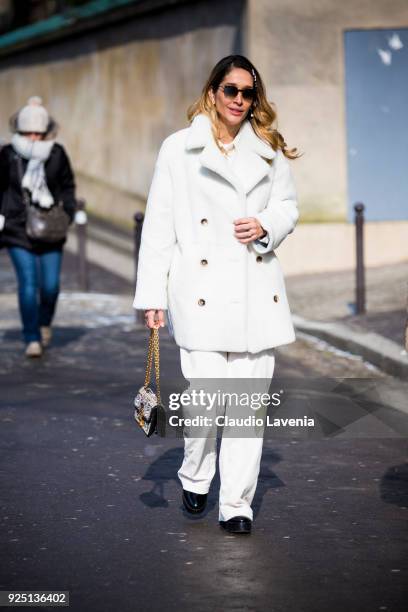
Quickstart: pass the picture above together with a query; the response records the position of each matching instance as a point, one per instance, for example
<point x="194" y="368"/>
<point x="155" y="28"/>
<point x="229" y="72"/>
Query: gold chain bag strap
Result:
<point x="147" y="403"/>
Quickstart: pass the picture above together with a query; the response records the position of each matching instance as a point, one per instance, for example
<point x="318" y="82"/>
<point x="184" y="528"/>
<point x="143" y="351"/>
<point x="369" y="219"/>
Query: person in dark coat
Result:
<point x="48" y="178"/>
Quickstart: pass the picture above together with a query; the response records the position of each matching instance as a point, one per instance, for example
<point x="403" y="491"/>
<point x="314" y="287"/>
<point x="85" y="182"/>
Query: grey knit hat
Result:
<point x="33" y="117"/>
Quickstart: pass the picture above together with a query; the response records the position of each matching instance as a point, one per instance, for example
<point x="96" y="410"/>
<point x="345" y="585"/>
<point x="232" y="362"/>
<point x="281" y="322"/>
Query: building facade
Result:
<point x="119" y="76"/>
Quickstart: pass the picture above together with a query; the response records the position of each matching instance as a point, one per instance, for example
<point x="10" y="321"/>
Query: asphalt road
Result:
<point x="89" y="505"/>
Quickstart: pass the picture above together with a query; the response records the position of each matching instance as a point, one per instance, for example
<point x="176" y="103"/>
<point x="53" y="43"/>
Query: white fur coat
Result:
<point x="221" y="295"/>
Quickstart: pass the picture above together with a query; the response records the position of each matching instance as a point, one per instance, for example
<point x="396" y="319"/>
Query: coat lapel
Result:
<point x="249" y="166"/>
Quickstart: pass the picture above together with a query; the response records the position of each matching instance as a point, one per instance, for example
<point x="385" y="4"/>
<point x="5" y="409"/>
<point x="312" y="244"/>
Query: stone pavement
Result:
<point x="109" y="302"/>
<point x="330" y="296"/>
<point x="317" y="297"/>
<point x="322" y="304"/>
<point x="89" y="505"/>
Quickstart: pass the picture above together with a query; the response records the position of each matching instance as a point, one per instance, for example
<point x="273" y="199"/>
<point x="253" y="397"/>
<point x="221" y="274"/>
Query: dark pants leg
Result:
<point x="50" y="268"/>
<point x="25" y="265"/>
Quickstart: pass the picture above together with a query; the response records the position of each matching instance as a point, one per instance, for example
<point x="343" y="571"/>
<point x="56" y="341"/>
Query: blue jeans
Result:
<point x="38" y="288"/>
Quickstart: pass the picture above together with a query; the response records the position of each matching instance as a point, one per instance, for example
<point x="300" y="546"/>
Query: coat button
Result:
<point x="204" y="262"/>
<point x="276" y="298"/>
<point x="259" y="258"/>
<point x="204" y="221"/>
<point x="201" y="302"/>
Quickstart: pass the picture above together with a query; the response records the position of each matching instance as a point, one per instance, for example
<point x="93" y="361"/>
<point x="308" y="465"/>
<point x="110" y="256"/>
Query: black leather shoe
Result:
<point x="194" y="502"/>
<point x="237" y="524"/>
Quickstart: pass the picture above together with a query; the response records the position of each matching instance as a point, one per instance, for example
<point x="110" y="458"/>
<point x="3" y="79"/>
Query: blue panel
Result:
<point x="377" y="122"/>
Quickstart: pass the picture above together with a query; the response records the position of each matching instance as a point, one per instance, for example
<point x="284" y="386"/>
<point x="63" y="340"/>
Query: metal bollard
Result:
<point x="360" y="272"/>
<point x="137" y="235"/>
<point x="406" y="324"/>
<point x="406" y="335"/>
<point x="81" y="222"/>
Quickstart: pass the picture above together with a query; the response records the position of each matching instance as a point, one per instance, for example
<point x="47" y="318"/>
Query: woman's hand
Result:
<point x="154" y="318"/>
<point x="248" y="229"/>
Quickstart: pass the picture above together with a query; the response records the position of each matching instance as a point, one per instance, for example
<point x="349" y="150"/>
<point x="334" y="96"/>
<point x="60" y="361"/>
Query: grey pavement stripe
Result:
<point x="384" y="353"/>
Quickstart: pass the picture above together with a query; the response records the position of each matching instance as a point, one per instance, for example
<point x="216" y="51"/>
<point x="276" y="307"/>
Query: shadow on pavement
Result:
<point x="394" y="485"/>
<point x="163" y="471"/>
<point x="62" y="336"/>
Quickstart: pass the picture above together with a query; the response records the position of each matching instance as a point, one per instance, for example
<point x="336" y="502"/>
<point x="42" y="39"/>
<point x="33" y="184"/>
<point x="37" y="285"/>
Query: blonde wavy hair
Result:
<point x="264" y="117"/>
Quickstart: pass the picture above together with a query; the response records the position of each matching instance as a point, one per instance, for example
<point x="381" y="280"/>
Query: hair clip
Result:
<point x="254" y="75"/>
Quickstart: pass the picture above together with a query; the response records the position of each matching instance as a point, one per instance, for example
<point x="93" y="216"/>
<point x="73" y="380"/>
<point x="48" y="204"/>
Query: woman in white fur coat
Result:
<point x="221" y="201"/>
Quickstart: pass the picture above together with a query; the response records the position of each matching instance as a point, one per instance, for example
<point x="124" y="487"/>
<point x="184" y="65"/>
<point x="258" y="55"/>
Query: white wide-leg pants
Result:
<point x="240" y="458"/>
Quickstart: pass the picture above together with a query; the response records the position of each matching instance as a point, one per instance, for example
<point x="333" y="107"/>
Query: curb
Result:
<point x="381" y="352"/>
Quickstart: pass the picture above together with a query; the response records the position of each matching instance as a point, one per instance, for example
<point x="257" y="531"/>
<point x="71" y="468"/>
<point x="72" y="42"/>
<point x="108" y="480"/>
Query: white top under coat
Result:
<point x="230" y="147"/>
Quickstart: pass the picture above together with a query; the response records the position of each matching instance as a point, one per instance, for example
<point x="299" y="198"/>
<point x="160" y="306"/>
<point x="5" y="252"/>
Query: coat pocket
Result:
<point x="181" y="269"/>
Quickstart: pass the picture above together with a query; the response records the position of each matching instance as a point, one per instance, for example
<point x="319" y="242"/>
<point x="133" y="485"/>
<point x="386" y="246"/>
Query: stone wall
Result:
<point x="118" y="92"/>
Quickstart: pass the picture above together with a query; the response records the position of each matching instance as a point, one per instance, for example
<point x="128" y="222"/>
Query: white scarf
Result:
<point x="37" y="152"/>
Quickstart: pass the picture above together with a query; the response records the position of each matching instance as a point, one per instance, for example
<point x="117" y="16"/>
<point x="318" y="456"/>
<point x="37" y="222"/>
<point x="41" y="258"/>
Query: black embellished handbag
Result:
<point x="44" y="224"/>
<point x="148" y="405"/>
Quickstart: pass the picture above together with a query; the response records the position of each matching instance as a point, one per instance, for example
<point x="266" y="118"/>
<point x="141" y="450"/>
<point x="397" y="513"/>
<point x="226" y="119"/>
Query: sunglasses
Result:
<point x="30" y="133"/>
<point x="231" y="91"/>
